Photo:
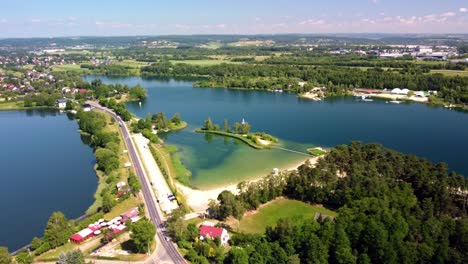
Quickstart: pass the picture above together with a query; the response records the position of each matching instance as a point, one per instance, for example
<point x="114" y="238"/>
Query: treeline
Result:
<point x="119" y="108"/>
<point x="101" y="90"/>
<point x="391" y="208"/>
<point x="157" y="121"/>
<point x="41" y="99"/>
<point x="336" y="79"/>
<point x="356" y="61"/>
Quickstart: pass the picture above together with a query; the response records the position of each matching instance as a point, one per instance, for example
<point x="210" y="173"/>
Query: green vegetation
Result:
<point x="385" y="202"/>
<point x="71" y="257"/>
<point x="142" y="235"/>
<point x="239" y="131"/>
<point x="5" y="256"/>
<point x="271" y="213"/>
<point x="137" y="93"/>
<point x="317" y="152"/>
<point x="338" y="80"/>
<point x="182" y="174"/>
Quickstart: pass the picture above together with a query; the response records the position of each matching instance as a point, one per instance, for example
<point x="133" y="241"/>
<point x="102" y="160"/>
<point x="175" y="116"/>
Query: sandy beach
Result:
<point x="198" y="199"/>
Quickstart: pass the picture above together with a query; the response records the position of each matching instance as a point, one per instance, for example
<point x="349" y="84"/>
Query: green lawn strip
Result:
<point x="281" y="208"/>
<point x="232" y="135"/>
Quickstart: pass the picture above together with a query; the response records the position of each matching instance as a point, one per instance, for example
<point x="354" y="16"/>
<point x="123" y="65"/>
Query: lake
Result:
<point x="45" y="168"/>
<point x="437" y="134"/>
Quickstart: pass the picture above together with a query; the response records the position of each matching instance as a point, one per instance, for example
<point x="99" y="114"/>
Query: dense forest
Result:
<point x="392" y="208"/>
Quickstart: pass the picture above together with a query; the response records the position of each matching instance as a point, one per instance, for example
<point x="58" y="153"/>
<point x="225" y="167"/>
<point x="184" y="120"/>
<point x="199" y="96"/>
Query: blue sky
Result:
<point x="51" y="18"/>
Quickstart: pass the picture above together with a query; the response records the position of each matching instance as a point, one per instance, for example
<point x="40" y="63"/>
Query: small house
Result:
<point x="61" y="103"/>
<point x="214" y="232"/>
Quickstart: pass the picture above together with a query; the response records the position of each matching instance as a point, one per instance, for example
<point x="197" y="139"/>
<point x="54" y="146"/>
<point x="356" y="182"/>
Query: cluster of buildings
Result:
<point x="398" y="51"/>
<point x="117" y="225"/>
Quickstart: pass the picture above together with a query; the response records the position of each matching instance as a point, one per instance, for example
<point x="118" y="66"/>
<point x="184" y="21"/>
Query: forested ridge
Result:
<point x="392" y="208"/>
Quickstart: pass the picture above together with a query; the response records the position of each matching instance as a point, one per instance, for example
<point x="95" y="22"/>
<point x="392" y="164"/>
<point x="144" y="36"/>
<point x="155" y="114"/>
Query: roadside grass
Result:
<point x="269" y="214"/>
<point x="451" y="72"/>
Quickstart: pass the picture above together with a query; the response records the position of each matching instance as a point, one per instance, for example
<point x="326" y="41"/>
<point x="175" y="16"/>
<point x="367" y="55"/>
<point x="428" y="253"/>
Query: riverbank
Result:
<point x="198" y="200"/>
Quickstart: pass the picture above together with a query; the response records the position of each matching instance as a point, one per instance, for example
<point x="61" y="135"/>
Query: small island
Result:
<point x="241" y="131"/>
<point x="316" y="152"/>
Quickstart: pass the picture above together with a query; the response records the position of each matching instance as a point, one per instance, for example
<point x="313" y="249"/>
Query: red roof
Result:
<point x="76" y="238"/>
<point x="82" y="90"/>
<point x="130" y="213"/>
<point x="211" y="231"/>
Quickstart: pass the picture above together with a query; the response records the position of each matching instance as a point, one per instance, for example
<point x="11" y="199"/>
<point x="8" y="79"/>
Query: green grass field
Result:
<point x="280" y="208"/>
<point x="451" y="72"/>
<point x="11" y="105"/>
<point x="202" y="62"/>
<point x="69" y="67"/>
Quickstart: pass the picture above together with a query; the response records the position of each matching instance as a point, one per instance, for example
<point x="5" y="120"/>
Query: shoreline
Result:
<point x="199" y="199"/>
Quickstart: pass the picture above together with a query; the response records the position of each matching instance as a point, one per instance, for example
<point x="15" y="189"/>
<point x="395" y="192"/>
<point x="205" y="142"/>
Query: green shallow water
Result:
<point x="216" y="160"/>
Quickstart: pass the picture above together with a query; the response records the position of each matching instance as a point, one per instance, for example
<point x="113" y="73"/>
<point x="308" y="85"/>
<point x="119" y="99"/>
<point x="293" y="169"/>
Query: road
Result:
<point x="168" y="252"/>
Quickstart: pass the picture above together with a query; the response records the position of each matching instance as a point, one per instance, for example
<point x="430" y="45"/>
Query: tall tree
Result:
<point x="5" y="257"/>
<point x="58" y="230"/>
<point x="142" y="235"/>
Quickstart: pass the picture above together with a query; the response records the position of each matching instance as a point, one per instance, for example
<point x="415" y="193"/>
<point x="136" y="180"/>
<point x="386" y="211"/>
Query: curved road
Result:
<point x="168" y="253"/>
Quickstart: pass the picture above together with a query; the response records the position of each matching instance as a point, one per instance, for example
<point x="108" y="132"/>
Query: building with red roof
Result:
<point x="82" y="90"/>
<point x="214" y="232"/>
<point x="132" y="213"/>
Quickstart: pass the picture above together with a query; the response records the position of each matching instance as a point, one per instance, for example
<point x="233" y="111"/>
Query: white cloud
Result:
<point x="3" y="20"/>
<point x="448" y="14"/>
<point x="312" y="22"/>
<point x="463" y="10"/>
<point x="182" y="26"/>
<point x="112" y="24"/>
<point x="35" y="21"/>
<point x="374" y="1"/>
<point x="222" y="26"/>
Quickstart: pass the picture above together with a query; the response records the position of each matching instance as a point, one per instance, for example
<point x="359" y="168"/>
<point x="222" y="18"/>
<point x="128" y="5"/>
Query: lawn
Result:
<point x="451" y="72"/>
<point x="270" y="213"/>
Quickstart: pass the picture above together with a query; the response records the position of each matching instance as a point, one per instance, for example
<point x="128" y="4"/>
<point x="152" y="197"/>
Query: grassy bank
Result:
<point x="242" y="138"/>
<point x="270" y="213"/>
<point x="19" y="105"/>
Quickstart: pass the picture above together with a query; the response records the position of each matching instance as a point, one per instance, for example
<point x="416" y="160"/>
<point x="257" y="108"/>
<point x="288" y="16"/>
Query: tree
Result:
<point x="134" y="183"/>
<point x="107" y="160"/>
<point x="176" y="119"/>
<point x="237" y="127"/>
<point x="108" y="236"/>
<point x="35" y="243"/>
<point x="226" y="126"/>
<point x="245" y="128"/>
<point x="58" y="230"/>
<point x="71" y="257"/>
<point x="142" y="235"/>
<point x="24" y="258"/>
<point x="5" y="257"/>
<point x="108" y="201"/>
<point x="137" y="92"/>
<point x="237" y="256"/>
<point x="208" y="124"/>
<point x="69" y="105"/>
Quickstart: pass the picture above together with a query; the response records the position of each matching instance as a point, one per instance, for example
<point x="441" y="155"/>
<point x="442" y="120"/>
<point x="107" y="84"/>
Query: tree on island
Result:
<point x="245" y="128"/>
<point x="237" y="127"/>
<point x="226" y="126"/>
<point x="176" y="120"/>
<point x="142" y="235"/>
<point x="160" y="120"/>
<point x="208" y="124"/>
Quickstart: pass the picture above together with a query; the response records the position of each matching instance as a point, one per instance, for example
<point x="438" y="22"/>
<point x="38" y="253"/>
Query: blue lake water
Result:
<point x="45" y="168"/>
<point x="438" y="134"/>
